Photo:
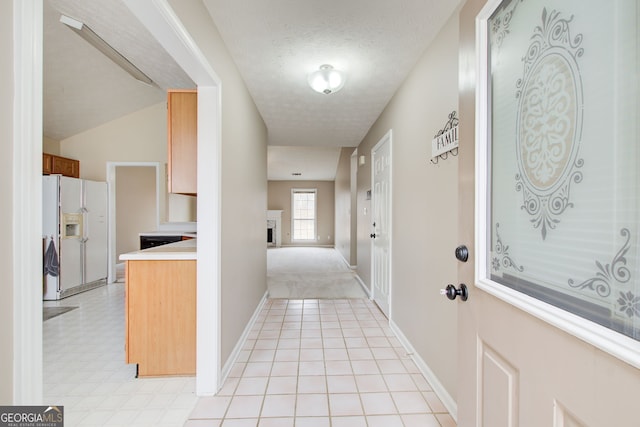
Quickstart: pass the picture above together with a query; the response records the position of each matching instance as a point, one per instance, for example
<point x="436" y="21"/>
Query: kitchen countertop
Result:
<point x="185" y="250"/>
<point x="169" y="233"/>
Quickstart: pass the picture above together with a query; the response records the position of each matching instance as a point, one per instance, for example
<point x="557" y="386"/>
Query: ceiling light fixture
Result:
<point x="96" y="41"/>
<point x="327" y="79"/>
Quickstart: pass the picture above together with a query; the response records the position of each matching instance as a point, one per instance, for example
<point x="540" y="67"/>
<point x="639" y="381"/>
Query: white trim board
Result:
<point x="111" y="206"/>
<point x="447" y="400"/>
<point x="364" y="287"/>
<point x="164" y="25"/>
<point x="235" y="353"/>
<point x="26" y="203"/>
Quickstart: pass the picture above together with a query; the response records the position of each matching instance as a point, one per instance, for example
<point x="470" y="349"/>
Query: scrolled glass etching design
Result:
<point x="563" y="172"/>
<point x="610" y="273"/>
<point x="501" y="258"/>
<point x="549" y="121"/>
<point x="502" y="21"/>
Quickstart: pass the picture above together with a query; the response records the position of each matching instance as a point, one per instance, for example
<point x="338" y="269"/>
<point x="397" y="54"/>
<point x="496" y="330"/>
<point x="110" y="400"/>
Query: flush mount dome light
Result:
<point x="326" y="80"/>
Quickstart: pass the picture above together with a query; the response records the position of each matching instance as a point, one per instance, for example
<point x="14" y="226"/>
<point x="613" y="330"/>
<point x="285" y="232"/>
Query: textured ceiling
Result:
<point x="83" y="88"/>
<point x="275" y="44"/>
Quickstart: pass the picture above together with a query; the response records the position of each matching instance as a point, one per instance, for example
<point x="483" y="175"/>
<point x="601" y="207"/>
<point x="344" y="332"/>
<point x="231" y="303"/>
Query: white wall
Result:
<point x="6" y="193"/>
<point x="424" y="209"/>
<point x="137" y="137"/>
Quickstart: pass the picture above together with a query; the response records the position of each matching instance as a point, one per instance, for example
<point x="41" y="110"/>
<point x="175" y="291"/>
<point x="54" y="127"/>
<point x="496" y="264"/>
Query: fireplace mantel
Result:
<point x="274" y="222"/>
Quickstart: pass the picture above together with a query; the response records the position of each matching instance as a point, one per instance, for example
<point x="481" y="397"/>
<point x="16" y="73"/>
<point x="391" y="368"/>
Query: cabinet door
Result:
<point x="66" y="167"/>
<point x="47" y="166"/>
<point x="160" y="302"/>
<point x="182" y="121"/>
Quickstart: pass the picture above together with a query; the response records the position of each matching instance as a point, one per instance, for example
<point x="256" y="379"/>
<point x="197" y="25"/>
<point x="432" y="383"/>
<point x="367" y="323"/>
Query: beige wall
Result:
<point x="51" y="146"/>
<point x="137" y="137"/>
<point x="424" y="209"/>
<point x="6" y="192"/>
<point x="280" y="198"/>
<point x="135" y="205"/>
<point x="343" y="205"/>
<point x="244" y="181"/>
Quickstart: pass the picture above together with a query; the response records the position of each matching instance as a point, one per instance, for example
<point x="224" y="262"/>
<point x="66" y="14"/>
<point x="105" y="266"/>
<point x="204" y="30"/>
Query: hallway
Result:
<point x="307" y="362"/>
<point x="321" y="363"/>
<point x="317" y="362"/>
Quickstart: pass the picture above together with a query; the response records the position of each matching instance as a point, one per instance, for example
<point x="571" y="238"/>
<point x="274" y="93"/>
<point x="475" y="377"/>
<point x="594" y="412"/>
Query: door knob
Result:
<point x="451" y="292"/>
<point x="372" y="235"/>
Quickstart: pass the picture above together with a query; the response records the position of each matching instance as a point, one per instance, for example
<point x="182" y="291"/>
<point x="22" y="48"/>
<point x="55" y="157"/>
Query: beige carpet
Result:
<point x="310" y="273"/>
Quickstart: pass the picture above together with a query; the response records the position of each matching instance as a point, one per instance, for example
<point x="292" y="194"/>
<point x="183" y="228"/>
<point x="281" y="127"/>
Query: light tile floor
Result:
<point x="85" y="370"/>
<point x="322" y="363"/>
<point x="307" y="363"/>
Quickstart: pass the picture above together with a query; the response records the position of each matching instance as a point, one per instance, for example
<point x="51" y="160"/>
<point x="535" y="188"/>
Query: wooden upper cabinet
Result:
<point x="47" y="164"/>
<point x="182" y="121"/>
<point x="62" y="165"/>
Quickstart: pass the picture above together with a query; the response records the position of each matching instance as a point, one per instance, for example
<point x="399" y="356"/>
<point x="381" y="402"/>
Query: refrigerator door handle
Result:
<point x="85" y="224"/>
<point x="83" y="259"/>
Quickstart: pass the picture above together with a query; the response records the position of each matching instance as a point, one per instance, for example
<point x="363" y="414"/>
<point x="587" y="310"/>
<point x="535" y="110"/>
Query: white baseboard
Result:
<point x="428" y="374"/>
<point x="310" y="245"/>
<point x="226" y="369"/>
<point x="352" y="267"/>
<point x="364" y="286"/>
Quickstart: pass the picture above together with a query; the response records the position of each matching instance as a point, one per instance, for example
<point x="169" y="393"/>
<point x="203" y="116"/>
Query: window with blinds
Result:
<point x="303" y="217"/>
<point x="562" y="219"/>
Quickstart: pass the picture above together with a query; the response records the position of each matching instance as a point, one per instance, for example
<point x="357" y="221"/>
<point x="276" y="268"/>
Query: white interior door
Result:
<point x="381" y="226"/>
<point x="549" y="335"/>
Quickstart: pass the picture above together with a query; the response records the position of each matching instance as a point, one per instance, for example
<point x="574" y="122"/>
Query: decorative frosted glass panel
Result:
<point x="564" y="179"/>
<point x="304" y="214"/>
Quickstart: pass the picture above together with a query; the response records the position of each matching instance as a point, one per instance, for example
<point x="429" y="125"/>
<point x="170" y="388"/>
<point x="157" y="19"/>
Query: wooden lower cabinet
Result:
<point x="160" y="306"/>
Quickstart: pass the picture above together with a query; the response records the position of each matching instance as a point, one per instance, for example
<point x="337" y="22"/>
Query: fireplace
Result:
<point x="271" y="232"/>
<point x="274" y="225"/>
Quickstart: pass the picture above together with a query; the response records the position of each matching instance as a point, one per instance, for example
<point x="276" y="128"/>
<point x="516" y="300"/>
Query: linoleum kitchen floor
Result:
<point x="85" y="370"/>
<point x="322" y="363"/>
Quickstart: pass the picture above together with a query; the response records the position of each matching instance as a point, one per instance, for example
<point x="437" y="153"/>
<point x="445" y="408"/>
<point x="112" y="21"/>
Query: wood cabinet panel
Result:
<point x="62" y="165"/>
<point x="66" y="167"/>
<point x="182" y="121"/>
<point x="160" y="306"/>
<point x="47" y="164"/>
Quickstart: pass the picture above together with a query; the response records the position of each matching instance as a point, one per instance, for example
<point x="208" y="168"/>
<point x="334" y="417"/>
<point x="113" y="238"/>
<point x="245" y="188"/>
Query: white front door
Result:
<point x="381" y="226"/>
<point x="550" y="333"/>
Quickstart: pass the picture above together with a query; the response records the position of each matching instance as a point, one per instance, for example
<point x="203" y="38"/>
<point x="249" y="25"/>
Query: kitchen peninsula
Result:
<point x="160" y="309"/>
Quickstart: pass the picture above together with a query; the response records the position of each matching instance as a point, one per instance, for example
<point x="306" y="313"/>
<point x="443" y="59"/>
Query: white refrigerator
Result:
<point x="74" y="227"/>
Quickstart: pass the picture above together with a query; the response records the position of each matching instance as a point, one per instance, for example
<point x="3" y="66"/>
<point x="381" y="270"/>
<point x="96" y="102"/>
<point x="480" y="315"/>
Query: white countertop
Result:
<point x="185" y="250"/>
